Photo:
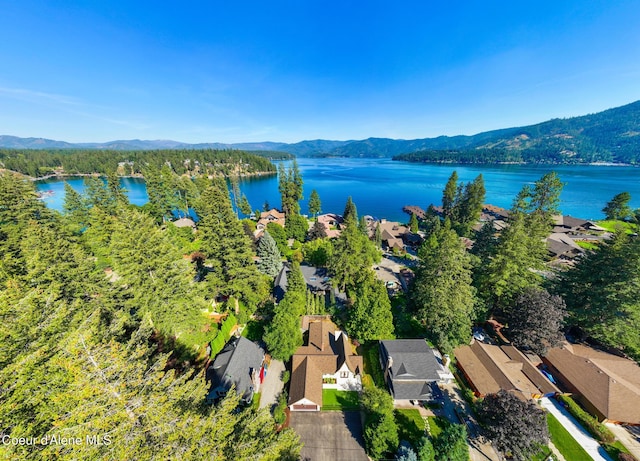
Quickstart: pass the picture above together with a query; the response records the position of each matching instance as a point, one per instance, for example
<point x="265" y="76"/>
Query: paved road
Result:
<point x="272" y="385"/>
<point x="629" y="439"/>
<point x="329" y="435"/>
<point x="456" y="408"/>
<point x="591" y="445"/>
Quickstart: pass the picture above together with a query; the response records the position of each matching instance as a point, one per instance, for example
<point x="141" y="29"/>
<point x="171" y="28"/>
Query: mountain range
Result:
<point x="609" y="136"/>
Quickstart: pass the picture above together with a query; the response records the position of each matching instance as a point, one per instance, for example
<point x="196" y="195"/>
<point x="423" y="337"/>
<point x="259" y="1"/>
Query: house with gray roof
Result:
<point x="411" y="368"/>
<point x="239" y="364"/>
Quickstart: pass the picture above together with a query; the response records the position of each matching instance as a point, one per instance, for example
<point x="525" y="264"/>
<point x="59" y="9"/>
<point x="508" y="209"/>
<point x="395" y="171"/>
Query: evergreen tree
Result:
<point x="245" y="206"/>
<point x="468" y="206"/>
<point x="75" y="208"/>
<point x="378" y="237"/>
<point x="413" y="223"/>
<point x="290" y="187"/>
<point x="442" y="295"/>
<point x="449" y="195"/>
<point x="228" y="250"/>
<point x="370" y="317"/>
<point x="618" y="207"/>
<point x="270" y="258"/>
<point x="602" y="295"/>
<point x="353" y="256"/>
<point x="315" y="206"/>
<point x="115" y="188"/>
<point x="296" y="227"/>
<point x="350" y="211"/>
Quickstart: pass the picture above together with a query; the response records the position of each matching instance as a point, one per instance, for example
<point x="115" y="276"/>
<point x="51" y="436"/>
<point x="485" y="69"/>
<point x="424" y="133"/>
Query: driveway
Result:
<point x="272" y="385"/>
<point x="329" y="435"/>
<point x="629" y="436"/>
<point x="590" y="445"/>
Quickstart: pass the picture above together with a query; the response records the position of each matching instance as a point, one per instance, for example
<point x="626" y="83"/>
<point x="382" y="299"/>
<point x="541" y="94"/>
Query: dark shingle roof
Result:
<point x="413" y="367"/>
<point x="234" y="365"/>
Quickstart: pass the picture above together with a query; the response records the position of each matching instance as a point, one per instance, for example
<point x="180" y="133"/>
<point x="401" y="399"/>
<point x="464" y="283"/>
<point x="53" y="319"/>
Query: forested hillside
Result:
<point x="104" y="328"/>
<point x="609" y="136"/>
<point x="43" y="162"/>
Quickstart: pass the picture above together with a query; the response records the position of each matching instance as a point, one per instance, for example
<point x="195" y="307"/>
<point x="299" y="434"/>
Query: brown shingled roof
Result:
<point x="491" y="368"/>
<point x="324" y="354"/>
<point x="609" y="383"/>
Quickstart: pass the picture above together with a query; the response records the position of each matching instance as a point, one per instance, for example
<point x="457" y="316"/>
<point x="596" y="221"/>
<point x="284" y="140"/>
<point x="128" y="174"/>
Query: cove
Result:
<point x="381" y="187"/>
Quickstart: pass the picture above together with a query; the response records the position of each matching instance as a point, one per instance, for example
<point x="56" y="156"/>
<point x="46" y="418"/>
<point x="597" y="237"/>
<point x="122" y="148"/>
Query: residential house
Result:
<point x="325" y="362"/>
<point x="271" y="216"/>
<point x="316" y="278"/>
<point x="239" y="364"/>
<point x="331" y="223"/>
<point x="608" y="386"/>
<point x="488" y="369"/>
<point x="184" y="222"/>
<point x="563" y="247"/>
<point x="569" y="224"/>
<point x="411" y="368"/>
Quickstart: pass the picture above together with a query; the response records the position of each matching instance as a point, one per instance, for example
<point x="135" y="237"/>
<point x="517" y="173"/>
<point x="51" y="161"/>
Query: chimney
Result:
<point x="389" y="362"/>
<point x="447" y="360"/>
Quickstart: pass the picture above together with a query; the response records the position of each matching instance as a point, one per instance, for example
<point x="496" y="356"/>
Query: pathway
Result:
<point x="591" y="445"/>
<point x="272" y="385"/>
<point x="628" y="438"/>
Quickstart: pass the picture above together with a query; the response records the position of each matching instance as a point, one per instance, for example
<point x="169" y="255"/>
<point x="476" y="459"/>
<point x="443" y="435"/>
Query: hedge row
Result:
<point x="595" y="428"/>
<point x="223" y="335"/>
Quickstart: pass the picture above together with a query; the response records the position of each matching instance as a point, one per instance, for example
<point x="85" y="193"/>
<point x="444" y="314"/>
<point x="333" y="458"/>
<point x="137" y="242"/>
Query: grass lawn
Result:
<point x="410" y="425"/>
<point x="587" y="245"/>
<point x="369" y="353"/>
<point x="566" y="445"/>
<point x="436" y="425"/>
<point x="334" y="400"/>
<point x="611" y="226"/>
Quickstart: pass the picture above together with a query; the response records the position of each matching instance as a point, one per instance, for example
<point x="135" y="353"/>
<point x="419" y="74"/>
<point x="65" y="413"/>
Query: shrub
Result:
<point x="595" y="428"/>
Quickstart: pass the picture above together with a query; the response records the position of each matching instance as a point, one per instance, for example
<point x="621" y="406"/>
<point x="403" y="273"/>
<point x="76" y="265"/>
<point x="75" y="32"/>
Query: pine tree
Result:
<point x="442" y="295"/>
<point x="270" y="258"/>
<point x="413" y="223"/>
<point x="315" y="206"/>
<point x="449" y="195"/>
<point x="228" y="250"/>
<point x="350" y="211"/>
<point x="370" y="317"/>
<point x="353" y="256"/>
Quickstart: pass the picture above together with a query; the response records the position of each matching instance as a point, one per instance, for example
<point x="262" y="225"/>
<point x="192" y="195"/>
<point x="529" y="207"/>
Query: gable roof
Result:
<point x="327" y="350"/>
<point x="491" y="368"/>
<point x="411" y="359"/>
<point x="234" y="365"/>
<point x="610" y="383"/>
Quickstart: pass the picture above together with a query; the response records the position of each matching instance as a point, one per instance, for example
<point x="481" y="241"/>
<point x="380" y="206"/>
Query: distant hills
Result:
<point x="609" y="136"/>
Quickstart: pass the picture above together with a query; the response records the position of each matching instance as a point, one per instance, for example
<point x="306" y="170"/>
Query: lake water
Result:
<point x="381" y="187"/>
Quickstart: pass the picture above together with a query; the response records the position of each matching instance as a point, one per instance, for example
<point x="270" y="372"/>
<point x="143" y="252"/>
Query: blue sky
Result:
<point x="210" y="71"/>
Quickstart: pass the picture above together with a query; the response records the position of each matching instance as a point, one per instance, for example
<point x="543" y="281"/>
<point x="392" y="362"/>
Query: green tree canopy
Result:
<point x="370" y="317"/>
<point x="517" y="427"/>
<point x="270" y="258"/>
<point x="315" y="206"/>
<point x="618" y="207"/>
<point x="442" y="295"/>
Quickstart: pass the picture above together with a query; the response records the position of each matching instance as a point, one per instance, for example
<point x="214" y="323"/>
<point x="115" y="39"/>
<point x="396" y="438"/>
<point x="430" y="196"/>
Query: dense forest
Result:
<point x="104" y="327"/>
<point x="42" y="162"/>
<point x="609" y="136"/>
